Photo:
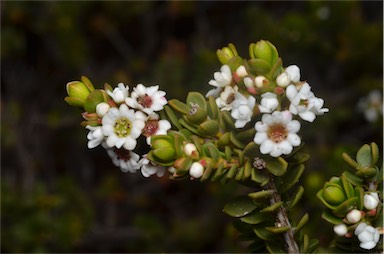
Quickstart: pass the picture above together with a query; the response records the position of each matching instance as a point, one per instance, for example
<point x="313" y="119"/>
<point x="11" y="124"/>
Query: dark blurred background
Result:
<point x="59" y="196"/>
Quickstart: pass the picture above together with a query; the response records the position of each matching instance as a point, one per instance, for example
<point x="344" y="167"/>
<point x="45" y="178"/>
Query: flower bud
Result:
<point x="102" y="108"/>
<point x="225" y="54"/>
<point x="196" y="170"/>
<point x="241" y="71"/>
<point x="371" y="200"/>
<point x="163" y="150"/>
<point x="353" y="216"/>
<point x="293" y="72"/>
<point x="333" y="195"/>
<point x="189" y="149"/>
<point x="340" y="229"/>
<point x="248" y="82"/>
<point x="283" y="80"/>
<point x="261" y="81"/>
<point x="77" y="93"/>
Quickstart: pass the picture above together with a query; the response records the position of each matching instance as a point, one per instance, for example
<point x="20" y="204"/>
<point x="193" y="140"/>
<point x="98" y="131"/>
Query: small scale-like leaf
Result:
<point x="275" y="247"/>
<point x="232" y="171"/>
<point x="351" y="162"/>
<point x="299" y="157"/>
<point x="260" y="194"/>
<point x="235" y="62"/>
<point x="235" y="140"/>
<point x="219" y="172"/>
<point x="172" y="117"/>
<point x="228" y="153"/>
<point x="251" y="149"/>
<point x="291" y="177"/>
<point x="247" y="170"/>
<point x="228" y="120"/>
<point x="259" y="66"/>
<point x="346" y="206"/>
<point x="277" y="230"/>
<point x="207" y="173"/>
<point x="254" y="218"/>
<point x="375" y="153"/>
<point x="272" y="208"/>
<point x="246" y="135"/>
<point x="264" y="234"/>
<point x="224" y="140"/>
<point x="259" y="176"/>
<point x="213" y="109"/>
<point x="347" y="186"/>
<point x="302" y="222"/>
<point x="239" y="207"/>
<point x="331" y="218"/>
<point x="359" y="192"/>
<point x="277" y="166"/>
<point x="239" y="174"/>
<point x="297" y="196"/>
<point x="188" y="126"/>
<point x="364" y="156"/>
<point x="208" y="128"/>
<point x="179" y="106"/>
<point x="352" y="178"/>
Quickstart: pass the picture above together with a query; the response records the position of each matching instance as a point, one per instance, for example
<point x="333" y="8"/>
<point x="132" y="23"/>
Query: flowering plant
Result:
<point x="246" y="128"/>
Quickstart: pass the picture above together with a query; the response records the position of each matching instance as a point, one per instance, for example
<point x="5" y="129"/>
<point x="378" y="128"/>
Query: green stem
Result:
<point x="283" y="220"/>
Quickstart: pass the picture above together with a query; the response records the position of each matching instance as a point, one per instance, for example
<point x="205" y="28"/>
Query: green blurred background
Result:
<point x="58" y="196"/>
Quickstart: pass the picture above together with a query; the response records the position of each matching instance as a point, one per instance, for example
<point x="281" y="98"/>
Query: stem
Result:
<point x="282" y="217"/>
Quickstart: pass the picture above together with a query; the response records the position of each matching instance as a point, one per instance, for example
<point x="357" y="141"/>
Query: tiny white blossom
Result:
<point x="340" y="229"/>
<point x="222" y="78"/>
<point x="268" y="103"/>
<point x="283" y="80"/>
<point x="126" y="160"/>
<point x="260" y="81"/>
<point x="122" y="127"/>
<point x="196" y="170"/>
<point x="119" y="93"/>
<point x="148" y="168"/>
<point x="147" y="99"/>
<point x="367" y="235"/>
<point x="225" y="101"/>
<point x="371" y="106"/>
<point x="242" y="109"/>
<point x="294" y="73"/>
<point x="353" y="216"/>
<point x="304" y="103"/>
<point x="371" y="200"/>
<point x="248" y="82"/>
<point x="102" y="109"/>
<point x="95" y="136"/>
<point x="155" y="127"/>
<point x="189" y="148"/>
<point x="241" y="71"/>
<point x="276" y="133"/>
<point x="215" y="92"/>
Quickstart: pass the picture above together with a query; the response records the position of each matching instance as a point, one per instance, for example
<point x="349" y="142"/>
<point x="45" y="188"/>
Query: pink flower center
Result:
<point x="145" y="101"/>
<point x="122" y="154"/>
<point x="277" y="133"/>
<point x="150" y="128"/>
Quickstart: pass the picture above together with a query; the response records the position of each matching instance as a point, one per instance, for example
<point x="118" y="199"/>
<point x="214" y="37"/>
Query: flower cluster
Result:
<point x="118" y="118"/>
<point x="246" y="93"/>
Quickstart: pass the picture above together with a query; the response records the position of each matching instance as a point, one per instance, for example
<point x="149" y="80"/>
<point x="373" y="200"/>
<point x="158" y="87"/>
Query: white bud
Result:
<point x="371" y="200"/>
<point x="241" y="71"/>
<point x="102" y="108"/>
<point x="260" y="81"/>
<point x="293" y="72"/>
<point x="196" y="170"/>
<point x="248" y="82"/>
<point x="340" y="229"/>
<point x="189" y="149"/>
<point x="283" y="80"/>
<point x="354" y="216"/>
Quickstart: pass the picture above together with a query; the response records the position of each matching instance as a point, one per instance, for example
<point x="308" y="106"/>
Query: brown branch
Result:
<point x="283" y="221"/>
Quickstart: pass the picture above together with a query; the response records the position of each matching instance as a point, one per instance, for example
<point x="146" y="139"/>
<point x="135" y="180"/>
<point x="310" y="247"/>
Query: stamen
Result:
<point x="122" y="154"/>
<point x="150" y="128"/>
<point x="145" y="101"/>
<point x="194" y="108"/>
<point x="277" y="133"/>
<point x="122" y="127"/>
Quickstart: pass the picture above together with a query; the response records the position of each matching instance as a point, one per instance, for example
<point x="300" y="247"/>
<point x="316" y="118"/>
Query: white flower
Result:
<point x="95" y="136"/>
<point x="148" y="168"/>
<point x="367" y="235"/>
<point x="242" y="109"/>
<point x="147" y="99"/>
<point x="222" y="78"/>
<point x="276" y="133"/>
<point x="189" y="149"/>
<point x="225" y="101"/>
<point x="304" y="103"/>
<point x="196" y="170"/>
<point x="283" y="80"/>
<point x="126" y="160"/>
<point x="340" y="229"/>
<point x="268" y="102"/>
<point x="353" y="216"/>
<point x="119" y="93"/>
<point x="122" y="127"/>
<point x="102" y="109"/>
<point x="371" y="200"/>
<point x="215" y="92"/>
<point x="241" y="71"/>
<point x="248" y="82"/>
<point x="294" y="73"/>
<point x="260" y="81"/>
<point x="372" y="106"/>
<point x="155" y="127"/>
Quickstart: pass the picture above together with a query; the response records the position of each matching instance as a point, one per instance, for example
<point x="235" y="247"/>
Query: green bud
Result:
<point x="77" y="93"/>
<point x="225" y="54"/>
<point x="162" y="149"/>
<point x="93" y="99"/>
<point x="333" y="195"/>
<point x="266" y="51"/>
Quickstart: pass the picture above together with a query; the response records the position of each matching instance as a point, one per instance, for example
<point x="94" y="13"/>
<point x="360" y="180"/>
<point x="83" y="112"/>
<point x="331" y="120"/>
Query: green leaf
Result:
<point x="208" y="128"/>
<point x="207" y="173"/>
<point x="259" y="66"/>
<point x="179" y="106"/>
<point x="275" y="247"/>
<point x="272" y="208"/>
<point x="260" y="194"/>
<point x="331" y="218"/>
<point x="235" y="140"/>
<point x="254" y="218"/>
<point x="277" y="167"/>
<point x="359" y="192"/>
<point x="247" y="170"/>
<point x="172" y="117"/>
<point x="213" y="109"/>
<point x="302" y="222"/>
<point x="235" y="62"/>
<point x="228" y="120"/>
<point x="251" y="150"/>
<point x="277" y="230"/>
<point x="351" y="162"/>
<point x="299" y="157"/>
<point x="264" y="234"/>
<point x="364" y="156"/>
<point x="224" y="140"/>
<point x="219" y="172"/>
<point x="297" y="196"/>
<point x="347" y="186"/>
<point x="259" y="176"/>
<point x="188" y="126"/>
<point x="276" y="69"/>
<point x="232" y="171"/>
<point x="375" y="153"/>
<point x="346" y="206"/>
<point x="239" y="174"/>
<point x="246" y="135"/>
<point x="94" y="98"/>
<point x="239" y="207"/>
<point x="291" y="178"/>
<point x="352" y="178"/>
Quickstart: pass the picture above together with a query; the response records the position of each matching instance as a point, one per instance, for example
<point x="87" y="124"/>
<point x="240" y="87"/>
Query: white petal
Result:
<point x="294" y="72"/>
<point x="360" y="228"/>
<point x="119" y="142"/>
<point x="293" y="126"/>
<point x="260" y="137"/>
<point x="130" y="143"/>
<point x="111" y="140"/>
<point x="240" y="123"/>
<point x="93" y="143"/>
<point x="368" y="245"/>
<point x="294" y="139"/>
<point x="285" y="147"/>
<point x="307" y="116"/>
<point x="266" y="147"/>
<point x="276" y="152"/>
